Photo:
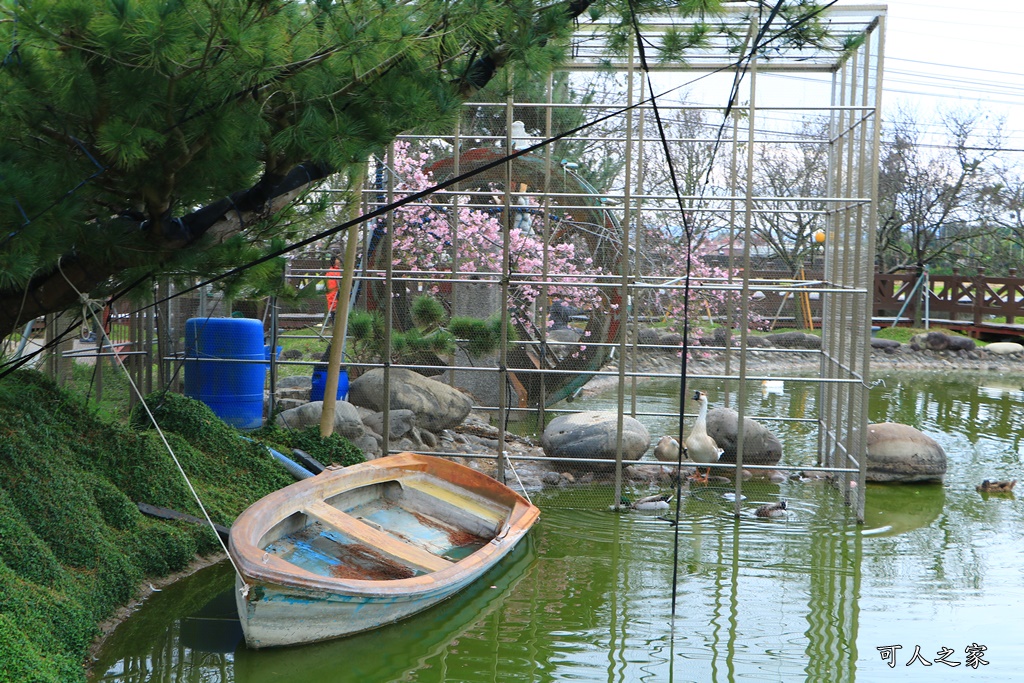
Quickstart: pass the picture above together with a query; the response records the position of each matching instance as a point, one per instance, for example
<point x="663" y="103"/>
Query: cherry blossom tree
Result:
<point x="438" y="237"/>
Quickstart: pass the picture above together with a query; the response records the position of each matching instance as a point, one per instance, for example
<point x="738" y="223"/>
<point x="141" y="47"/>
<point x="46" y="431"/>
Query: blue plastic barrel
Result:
<point x="316" y="392"/>
<point x="234" y="391"/>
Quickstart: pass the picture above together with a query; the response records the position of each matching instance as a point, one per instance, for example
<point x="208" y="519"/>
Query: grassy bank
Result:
<point x="73" y="545"/>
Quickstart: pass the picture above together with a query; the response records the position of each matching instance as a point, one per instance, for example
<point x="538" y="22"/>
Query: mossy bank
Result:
<point x="73" y="544"/>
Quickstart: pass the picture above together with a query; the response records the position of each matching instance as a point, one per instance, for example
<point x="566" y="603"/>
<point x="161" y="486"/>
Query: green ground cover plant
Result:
<point x="73" y="544"/>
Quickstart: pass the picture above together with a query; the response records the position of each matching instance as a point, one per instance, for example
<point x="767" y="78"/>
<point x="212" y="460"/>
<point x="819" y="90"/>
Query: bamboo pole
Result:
<point x="341" y="317"/>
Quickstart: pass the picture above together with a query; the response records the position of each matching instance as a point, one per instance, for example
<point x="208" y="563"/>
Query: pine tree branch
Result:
<point x="159" y="241"/>
<point x="154" y="243"/>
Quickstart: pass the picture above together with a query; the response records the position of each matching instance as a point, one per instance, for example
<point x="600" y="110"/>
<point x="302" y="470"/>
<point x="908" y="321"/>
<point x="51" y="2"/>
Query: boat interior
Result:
<point x="386" y="530"/>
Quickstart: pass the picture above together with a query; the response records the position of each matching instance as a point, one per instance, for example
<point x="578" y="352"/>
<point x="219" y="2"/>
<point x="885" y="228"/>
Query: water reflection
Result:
<point x="188" y="632"/>
<point x="891" y="510"/>
<point x="392" y="653"/>
<point x="810" y="596"/>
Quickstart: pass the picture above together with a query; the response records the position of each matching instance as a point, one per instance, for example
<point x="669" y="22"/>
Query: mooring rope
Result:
<point x="521" y="487"/>
<point x="106" y="340"/>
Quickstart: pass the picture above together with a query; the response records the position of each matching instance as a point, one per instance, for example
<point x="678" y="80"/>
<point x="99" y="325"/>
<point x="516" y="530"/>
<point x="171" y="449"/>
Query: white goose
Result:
<point x="700" y="447"/>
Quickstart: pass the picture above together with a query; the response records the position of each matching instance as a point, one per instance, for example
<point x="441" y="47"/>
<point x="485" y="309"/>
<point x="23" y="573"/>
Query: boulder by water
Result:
<point x="794" y="340"/>
<point x="591" y="434"/>
<point x="900" y="453"/>
<point x="1005" y="348"/>
<point x="760" y="446"/>
<point x="887" y="345"/>
<point x="437" y="406"/>
<point x="940" y="341"/>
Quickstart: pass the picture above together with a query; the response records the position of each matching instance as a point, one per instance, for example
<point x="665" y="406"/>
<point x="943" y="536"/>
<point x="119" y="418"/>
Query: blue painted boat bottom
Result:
<point x="325" y="551"/>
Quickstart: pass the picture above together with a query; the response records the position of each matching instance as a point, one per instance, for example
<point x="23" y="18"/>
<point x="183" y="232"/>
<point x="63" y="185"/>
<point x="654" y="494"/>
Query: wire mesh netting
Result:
<point x="685" y="217"/>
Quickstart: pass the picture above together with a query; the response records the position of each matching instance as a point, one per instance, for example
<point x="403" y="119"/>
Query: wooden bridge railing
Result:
<point x="951" y="297"/>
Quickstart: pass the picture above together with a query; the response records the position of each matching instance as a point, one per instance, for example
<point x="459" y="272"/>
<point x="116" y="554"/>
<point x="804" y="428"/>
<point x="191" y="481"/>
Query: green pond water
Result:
<point x="810" y="596"/>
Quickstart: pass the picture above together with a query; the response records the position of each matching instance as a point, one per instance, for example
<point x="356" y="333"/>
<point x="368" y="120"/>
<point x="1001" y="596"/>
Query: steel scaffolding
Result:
<point x="745" y="104"/>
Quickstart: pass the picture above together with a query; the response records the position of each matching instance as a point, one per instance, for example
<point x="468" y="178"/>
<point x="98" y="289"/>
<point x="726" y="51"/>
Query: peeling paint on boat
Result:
<point x="356" y="548"/>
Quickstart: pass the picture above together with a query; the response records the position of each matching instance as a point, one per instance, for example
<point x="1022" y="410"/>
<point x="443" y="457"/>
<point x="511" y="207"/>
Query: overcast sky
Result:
<point x="939" y="56"/>
<point x="957" y="54"/>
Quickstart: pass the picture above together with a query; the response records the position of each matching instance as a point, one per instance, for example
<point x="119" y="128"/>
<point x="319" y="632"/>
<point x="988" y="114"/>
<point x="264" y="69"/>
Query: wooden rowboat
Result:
<point x="359" y="547"/>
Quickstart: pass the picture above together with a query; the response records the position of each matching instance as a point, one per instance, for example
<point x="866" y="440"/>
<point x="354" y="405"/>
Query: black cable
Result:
<point x="688" y="230"/>
<point x="741" y="65"/>
<point x="410" y="198"/>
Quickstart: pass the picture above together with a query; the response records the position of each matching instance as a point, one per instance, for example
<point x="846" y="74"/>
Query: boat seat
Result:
<point x="380" y="540"/>
<point x="492" y="516"/>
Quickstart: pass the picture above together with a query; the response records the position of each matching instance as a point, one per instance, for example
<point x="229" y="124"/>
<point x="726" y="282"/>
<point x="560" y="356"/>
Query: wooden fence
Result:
<point x="970" y="299"/>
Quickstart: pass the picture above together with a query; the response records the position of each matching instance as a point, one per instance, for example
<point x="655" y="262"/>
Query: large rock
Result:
<point x="346" y="418"/>
<point x="760" y="447"/>
<point x="958" y="343"/>
<point x="930" y="341"/>
<point x="592" y="434"/>
<point x="901" y="453"/>
<point x="935" y="340"/>
<point x="437" y="405"/>
<point x="794" y="340"/>
<point x="1004" y="348"/>
<point x="400" y="422"/>
<point x="887" y="345"/>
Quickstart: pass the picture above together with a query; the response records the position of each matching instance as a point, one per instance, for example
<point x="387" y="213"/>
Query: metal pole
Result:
<point x="388" y="299"/>
<point x="623" y="311"/>
<point x="272" y="302"/>
<point x="456" y="171"/>
<point x="542" y="310"/>
<point x="925" y="291"/>
<point x="506" y="228"/>
<point x="741" y="398"/>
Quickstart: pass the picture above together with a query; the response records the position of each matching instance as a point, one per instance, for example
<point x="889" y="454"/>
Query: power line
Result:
<point x="956" y="7"/>
<point x="954" y="66"/>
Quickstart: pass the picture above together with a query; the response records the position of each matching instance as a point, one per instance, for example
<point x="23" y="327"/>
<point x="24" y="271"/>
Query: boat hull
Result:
<point x="287" y="616"/>
<point x="357" y="548"/>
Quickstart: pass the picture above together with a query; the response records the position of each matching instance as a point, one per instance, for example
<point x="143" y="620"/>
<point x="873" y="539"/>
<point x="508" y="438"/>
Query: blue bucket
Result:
<point x="234" y="391"/>
<point x="316" y="392"/>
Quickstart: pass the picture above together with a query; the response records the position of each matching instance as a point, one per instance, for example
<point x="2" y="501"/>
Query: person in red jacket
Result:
<point x="333" y="281"/>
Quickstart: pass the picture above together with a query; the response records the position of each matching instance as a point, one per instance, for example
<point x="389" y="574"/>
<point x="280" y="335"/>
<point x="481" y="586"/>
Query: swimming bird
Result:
<point x="988" y="486"/>
<point x="700" y="447"/>
<point x="771" y="510"/>
<point x="667" y="449"/>
<point x="655" y="502"/>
